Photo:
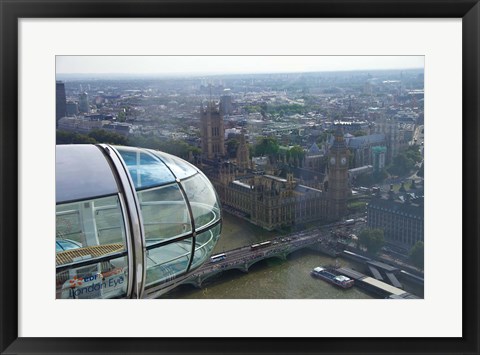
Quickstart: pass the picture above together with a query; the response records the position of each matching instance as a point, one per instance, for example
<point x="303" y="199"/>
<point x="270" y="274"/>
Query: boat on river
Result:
<point x="338" y="280"/>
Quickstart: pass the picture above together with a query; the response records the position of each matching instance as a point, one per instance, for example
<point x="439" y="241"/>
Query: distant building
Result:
<point x="338" y="188"/>
<point x="243" y="156"/>
<point x="232" y="132"/>
<point x="99" y="117"/>
<point x="353" y="173"/>
<point x="226" y="104"/>
<point x="389" y="127"/>
<point x="401" y="216"/>
<point x="260" y="163"/>
<point x="314" y="157"/>
<point x="362" y="148"/>
<point x="352" y="126"/>
<point x="213" y="132"/>
<point x="79" y="125"/>
<point x="83" y="105"/>
<point x="408" y="130"/>
<point x="85" y="125"/>
<point x="117" y="127"/>
<point x="72" y="108"/>
<point x="379" y="153"/>
<point x="60" y="101"/>
<point x="273" y="202"/>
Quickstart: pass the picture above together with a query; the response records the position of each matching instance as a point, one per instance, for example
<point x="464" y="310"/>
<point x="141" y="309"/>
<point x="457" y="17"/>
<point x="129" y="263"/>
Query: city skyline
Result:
<point x="224" y="65"/>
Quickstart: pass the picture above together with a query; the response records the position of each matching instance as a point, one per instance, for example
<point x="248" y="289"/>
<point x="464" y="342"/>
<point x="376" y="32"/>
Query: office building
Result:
<point x="60" y="101"/>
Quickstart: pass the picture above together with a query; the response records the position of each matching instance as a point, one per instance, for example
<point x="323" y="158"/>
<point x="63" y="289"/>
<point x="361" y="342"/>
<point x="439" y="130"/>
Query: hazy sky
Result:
<point x="228" y="64"/>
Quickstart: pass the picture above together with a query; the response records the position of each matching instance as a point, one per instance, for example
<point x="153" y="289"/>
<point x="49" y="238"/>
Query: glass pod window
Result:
<point x="90" y="245"/>
<point x="165" y="218"/>
<point x="179" y="209"/>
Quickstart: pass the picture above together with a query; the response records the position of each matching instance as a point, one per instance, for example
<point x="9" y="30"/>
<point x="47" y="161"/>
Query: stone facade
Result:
<point x="273" y="202"/>
<point x="401" y="220"/>
<point x="338" y="177"/>
<point x="213" y="132"/>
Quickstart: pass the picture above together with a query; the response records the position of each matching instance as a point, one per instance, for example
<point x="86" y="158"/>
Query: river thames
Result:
<point x="271" y="278"/>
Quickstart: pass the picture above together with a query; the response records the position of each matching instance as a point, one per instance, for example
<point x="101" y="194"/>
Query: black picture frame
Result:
<point x="11" y="11"/>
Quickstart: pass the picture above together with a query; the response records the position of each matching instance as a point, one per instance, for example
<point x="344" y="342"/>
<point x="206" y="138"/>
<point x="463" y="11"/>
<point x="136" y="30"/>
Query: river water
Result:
<point x="270" y="278"/>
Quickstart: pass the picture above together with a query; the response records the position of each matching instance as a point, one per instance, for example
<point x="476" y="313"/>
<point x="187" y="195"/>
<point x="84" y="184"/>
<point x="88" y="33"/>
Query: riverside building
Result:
<point x="400" y="216"/>
<point x="264" y="197"/>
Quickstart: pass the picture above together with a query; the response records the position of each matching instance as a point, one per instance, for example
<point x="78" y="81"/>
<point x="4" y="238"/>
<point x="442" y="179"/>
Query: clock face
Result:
<point x="343" y="161"/>
<point x="332" y="160"/>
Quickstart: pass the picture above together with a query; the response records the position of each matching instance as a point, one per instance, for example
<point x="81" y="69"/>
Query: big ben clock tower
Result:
<point x="338" y="177"/>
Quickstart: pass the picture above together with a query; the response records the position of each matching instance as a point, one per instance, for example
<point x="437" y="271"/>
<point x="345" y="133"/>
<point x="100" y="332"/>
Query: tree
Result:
<point x="232" y="146"/>
<point x="420" y="171"/>
<point x="103" y="136"/>
<point x="359" y="133"/>
<point x="122" y="116"/>
<point x="401" y="165"/>
<point x="178" y="148"/>
<point x="372" y="239"/>
<point x="413" y="152"/>
<point x="416" y="255"/>
<point x="64" y="137"/>
<point x="269" y="147"/>
<point x="404" y="163"/>
<point x="297" y="154"/>
<point x="252" y="108"/>
<point x="379" y="176"/>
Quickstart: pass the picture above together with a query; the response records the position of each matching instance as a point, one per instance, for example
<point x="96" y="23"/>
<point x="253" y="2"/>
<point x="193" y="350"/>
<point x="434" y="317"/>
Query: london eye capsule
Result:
<point x="130" y="222"/>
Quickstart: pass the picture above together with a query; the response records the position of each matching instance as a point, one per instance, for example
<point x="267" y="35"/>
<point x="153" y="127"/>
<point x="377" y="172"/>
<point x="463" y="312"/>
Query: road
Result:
<point x="278" y="245"/>
<point x="281" y="244"/>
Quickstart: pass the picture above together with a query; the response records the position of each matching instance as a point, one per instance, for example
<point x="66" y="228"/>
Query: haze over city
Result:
<point x="205" y="65"/>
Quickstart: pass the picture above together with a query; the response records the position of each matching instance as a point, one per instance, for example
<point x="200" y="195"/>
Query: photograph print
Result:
<point x="239" y="177"/>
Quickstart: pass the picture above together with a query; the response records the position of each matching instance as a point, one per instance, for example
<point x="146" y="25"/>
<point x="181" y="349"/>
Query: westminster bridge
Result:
<point x="243" y="258"/>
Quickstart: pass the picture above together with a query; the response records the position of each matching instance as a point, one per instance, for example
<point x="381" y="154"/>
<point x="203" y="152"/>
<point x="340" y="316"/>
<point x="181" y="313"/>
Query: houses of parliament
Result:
<point x="263" y="197"/>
